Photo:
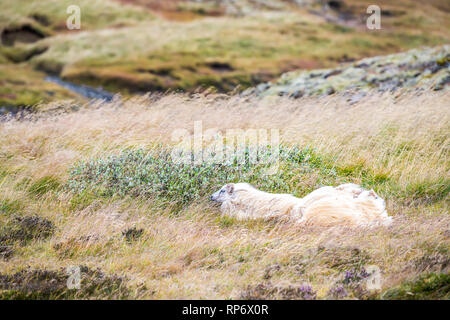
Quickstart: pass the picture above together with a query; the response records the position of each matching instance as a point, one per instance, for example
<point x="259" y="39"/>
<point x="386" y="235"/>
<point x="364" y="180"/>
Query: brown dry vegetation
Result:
<point x="134" y="46"/>
<point x="401" y="141"/>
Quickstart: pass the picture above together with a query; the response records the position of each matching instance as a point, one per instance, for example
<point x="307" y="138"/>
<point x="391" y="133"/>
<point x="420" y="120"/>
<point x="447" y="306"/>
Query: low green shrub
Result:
<point x="43" y="185"/>
<point x="156" y="174"/>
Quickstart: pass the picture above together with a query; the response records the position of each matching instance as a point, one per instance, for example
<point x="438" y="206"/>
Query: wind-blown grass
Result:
<point x="394" y="143"/>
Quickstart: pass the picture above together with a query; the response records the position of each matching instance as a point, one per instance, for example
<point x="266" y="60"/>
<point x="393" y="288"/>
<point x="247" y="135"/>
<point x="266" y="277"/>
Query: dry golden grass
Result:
<point x="196" y="253"/>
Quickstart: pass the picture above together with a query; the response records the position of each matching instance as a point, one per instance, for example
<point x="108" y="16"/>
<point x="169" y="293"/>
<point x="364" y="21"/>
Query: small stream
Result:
<point x="85" y="91"/>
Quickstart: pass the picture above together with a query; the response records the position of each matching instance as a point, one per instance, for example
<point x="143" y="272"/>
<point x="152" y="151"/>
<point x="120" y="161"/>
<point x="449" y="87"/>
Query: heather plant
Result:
<point x="337" y="292"/>
<point x="353" y="276"/>
<point x="265" y="291"/>
<point x="353" y="284"/>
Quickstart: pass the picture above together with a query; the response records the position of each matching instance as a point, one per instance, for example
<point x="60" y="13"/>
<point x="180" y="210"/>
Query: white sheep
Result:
<point x="347" y="204"/>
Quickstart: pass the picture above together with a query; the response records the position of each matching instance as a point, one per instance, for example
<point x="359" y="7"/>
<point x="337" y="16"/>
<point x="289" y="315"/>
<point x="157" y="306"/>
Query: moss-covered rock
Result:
<point x="427" y="67"/>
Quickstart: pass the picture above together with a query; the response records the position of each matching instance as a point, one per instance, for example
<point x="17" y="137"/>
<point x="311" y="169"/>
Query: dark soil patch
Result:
<point x="393" y="13"/>
<point x="41" y="19"/>
<point x="335" y="5"/>
<point x="23" y="229"/>
<point x="132" y="234"/>
<point x="25" y="34"/>
<point x="6" y="252"/>
<point x="157" y="72"/>
<point x="220" y="66"/>
<point x="53" y="284"/>
<point x="341" y="13"/>
<point x="165" y="74"/>
<point x="341" y="9"/>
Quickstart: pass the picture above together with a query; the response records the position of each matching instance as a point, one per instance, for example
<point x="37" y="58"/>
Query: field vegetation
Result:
<point x="91" y="185"/>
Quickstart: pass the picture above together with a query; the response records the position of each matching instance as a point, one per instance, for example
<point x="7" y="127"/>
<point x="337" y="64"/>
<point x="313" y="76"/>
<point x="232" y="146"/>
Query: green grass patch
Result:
<point x="428" y="191"/>
<point x="430" y="286"/>
<point x="225" y="221"/>
<point x="53" y="14"/>
<point x="9" y="207"/>
<point x="23" y="87"/>
<point x="81" y="200"/>
<point x="44" y="185"/>
<point x="18" y="54"/>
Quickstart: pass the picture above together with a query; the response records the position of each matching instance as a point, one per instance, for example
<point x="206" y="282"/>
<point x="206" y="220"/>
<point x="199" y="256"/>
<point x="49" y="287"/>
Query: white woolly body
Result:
<point x="347" y="204"/>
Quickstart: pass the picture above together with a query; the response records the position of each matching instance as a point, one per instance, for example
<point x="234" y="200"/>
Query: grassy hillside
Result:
<point x="74" y="190"/>
<point x="145" y="45"/>
<point x="93" y="184"/>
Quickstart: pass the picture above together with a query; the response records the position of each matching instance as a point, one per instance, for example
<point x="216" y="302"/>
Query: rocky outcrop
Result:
<point x="426" y="67"/>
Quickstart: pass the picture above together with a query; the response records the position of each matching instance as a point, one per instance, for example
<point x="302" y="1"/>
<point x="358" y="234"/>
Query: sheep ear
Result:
<point x="230" y="188"/>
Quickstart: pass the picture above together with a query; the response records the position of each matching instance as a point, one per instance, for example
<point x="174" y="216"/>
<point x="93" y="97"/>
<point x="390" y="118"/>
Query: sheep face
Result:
<point x="224" y="194"/>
